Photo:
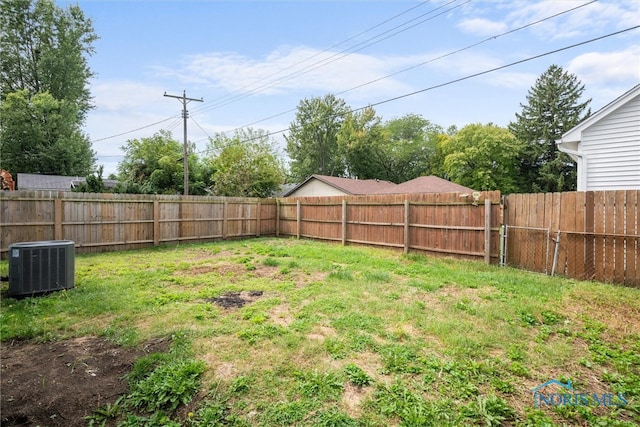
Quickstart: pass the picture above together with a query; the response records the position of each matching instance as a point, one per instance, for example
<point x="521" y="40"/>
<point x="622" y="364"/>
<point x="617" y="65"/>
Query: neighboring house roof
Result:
<point x="347" y="185"/>
<point x="31" y="181"/>
<point x="429" y="184"/>
<point x="606" y="145"/>
<point x="424" y="184"/>
<point x="284" y="189"/>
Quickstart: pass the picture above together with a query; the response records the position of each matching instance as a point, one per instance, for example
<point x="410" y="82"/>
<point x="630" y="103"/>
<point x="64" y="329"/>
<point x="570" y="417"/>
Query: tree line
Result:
<point x="45" y="98"/>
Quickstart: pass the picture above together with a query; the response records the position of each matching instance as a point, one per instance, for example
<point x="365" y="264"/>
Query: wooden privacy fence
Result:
<point x="109" y="222"/>
<point x="437" y="223"/>
<point x="584" y="235"/>
<point x="441" y="223"/>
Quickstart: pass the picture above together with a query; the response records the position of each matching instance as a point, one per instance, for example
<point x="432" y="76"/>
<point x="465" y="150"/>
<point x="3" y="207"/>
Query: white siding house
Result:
<point x="606" y="146"/>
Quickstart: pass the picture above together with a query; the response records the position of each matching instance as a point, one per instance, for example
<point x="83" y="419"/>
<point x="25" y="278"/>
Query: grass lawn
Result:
<point x="346" y="336"/>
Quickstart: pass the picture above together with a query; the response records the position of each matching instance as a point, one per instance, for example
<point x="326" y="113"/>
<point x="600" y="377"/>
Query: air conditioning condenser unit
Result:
<point x="37" y="268"/>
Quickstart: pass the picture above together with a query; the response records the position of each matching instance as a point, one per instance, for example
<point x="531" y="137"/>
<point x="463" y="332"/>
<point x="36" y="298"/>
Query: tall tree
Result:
<point x="43" y="50"/>
<point x="246" y="165"/>
<point x="359" y="137"/>
<point x="411" y="149"/>
<point x="312" y="143"/>
<point x="153" y="165"/>
<point x="483" y="157"/>
<point x="553" y="107"/>
<point x="397" y="151"/>
<point x="38" y="135"/>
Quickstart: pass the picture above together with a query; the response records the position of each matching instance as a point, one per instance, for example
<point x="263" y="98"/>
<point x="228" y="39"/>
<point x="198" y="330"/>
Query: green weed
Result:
<point x="270" y="262"/>
<point x="488" y="410"/>
<point x="357" y="376"/>
<point x="168" y="386"/>
<point x="319" y="385"/>
<point x="333" y="418"/>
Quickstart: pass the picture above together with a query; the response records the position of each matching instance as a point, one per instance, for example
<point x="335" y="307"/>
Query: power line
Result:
<point x="458" y="80"/>
<point x="319" y="53"/>
<point x="335" y="57"/>
<point x="531" y="58"/>
<point x="201" y="128"/>
<point x="196" y="111"/>
<point x="468" y="47"/>
<point x="491" y="38"/>
<point x="134" y="130"/>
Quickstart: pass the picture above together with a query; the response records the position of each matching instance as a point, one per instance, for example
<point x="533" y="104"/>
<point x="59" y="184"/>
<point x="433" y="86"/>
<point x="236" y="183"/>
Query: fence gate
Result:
<point x="528" y="248"/>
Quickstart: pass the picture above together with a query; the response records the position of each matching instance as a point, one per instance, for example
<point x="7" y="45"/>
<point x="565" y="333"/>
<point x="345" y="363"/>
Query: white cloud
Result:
<point x="589" y="19"/>
<point x="291" y="69"/>
<point x="115" y="95"/>
<point x="482" y="27"/>
<point x="597" y="68"/>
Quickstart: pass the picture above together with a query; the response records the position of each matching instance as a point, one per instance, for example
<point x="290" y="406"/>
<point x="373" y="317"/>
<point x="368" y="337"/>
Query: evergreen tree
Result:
<point x="553" y="107"/>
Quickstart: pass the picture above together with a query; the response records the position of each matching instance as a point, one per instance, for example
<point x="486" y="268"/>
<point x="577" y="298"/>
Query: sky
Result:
<point x="453" y="62"/>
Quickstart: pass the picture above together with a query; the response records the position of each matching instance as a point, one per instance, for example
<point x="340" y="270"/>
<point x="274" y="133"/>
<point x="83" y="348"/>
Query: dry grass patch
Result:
<point x="280" y="315"/>
<point x="321" y="332"/>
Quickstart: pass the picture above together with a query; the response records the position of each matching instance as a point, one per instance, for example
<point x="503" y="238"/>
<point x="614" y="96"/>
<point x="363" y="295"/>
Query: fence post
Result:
<point x="344" y="222"/>
<point x="298" y="221"/>
<point x="487" y="231"/>
<point x="57" y="218"/>
<point x="258" y="220"/>
<point x="225" y="212"/>
<point x="277" y="218"/>
<point x="555" y="254"/>
<point x="156" y="223"/>
<point x="503" y="245"/>
<point x="406" y="226"/>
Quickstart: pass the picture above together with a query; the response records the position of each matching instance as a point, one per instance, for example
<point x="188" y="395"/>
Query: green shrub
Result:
<point x="168" y="386"/>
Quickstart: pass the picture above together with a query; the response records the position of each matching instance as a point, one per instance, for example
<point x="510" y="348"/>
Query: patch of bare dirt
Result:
<point x="353" y="398"/>
<point x="235" y="299"/>
<point x="60" y="383"/>
<point x="320" y="333"/>
<point x="281" y="316"/>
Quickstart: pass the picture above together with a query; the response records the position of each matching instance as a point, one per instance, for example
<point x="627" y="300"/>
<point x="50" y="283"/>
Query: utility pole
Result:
<point x="185" y="151"/>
